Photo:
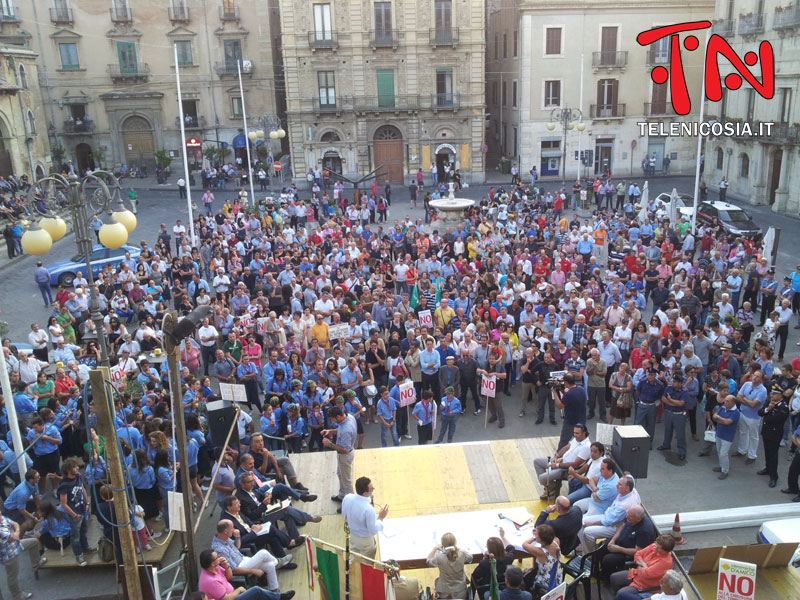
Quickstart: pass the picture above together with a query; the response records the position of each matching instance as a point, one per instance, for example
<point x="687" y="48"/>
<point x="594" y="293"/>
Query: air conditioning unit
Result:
<point x="247" y="66"/>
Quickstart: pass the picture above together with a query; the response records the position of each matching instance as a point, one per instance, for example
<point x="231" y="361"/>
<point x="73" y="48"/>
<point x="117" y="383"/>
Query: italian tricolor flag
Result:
<point x="328" y="564"/>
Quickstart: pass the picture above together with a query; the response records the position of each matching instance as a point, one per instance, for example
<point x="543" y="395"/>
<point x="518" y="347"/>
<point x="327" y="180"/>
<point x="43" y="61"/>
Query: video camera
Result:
<point x="556" y="380"/>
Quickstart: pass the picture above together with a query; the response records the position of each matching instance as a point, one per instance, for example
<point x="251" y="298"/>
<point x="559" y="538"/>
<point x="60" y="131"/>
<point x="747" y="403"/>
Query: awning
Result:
<point x="240" y="141"/>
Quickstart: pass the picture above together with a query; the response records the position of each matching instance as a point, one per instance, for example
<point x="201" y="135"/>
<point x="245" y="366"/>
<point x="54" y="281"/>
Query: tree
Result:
<point x="210" y="153"/>
<point x="98" y="155"/>
<point x="223" y="152"/>
<point x="58" y="153"/>
<point x="163" y="159"/>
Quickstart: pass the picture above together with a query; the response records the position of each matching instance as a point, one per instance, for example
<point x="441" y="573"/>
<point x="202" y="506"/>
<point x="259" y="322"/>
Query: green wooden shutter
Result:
<point x="126" y="52"/>
<point x="386" y="88"/>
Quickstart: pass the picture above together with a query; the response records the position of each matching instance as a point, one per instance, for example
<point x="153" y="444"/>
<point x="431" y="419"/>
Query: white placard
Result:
<point x="736" y="580"/>
<point x="407" y="393"/>
<point x="425" y="318"/>
<point x="488" y="386"/>
<point x="177" y="519"/>
<point x="245" y="321"/>
<point x="605" y="434"/>
<point x="118" y="379"/>
<point x="336" y="332"/>
<point x="556" y="593"/>
<point x="261" y="325"/>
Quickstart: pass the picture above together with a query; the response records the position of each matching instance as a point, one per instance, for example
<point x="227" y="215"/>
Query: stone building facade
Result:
<point x="393" y="84"/>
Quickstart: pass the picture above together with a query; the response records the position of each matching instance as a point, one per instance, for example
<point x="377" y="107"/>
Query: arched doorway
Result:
<point x="39" y="173"/>
<point x="137" y="140"/>
<point x="445" y="161"/>
<point x="83" y="156"/>
<point x="775" y="174"/>
<point x="6" y="166"/>
<point x="388" y="151"/>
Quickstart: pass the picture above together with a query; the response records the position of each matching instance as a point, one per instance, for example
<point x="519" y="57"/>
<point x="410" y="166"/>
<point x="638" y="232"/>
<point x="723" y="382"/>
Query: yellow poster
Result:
<point x="465" y="157"/>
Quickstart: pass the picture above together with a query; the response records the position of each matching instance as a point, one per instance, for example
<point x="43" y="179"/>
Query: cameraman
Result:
<point x="573" y="403"/>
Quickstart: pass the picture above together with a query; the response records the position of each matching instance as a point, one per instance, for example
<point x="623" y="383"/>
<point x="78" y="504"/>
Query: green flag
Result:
<point x="494" y="590"/>
<point x="328" y="564"/>
<point x="438" y="293"/>
<point x="414" y="302"/>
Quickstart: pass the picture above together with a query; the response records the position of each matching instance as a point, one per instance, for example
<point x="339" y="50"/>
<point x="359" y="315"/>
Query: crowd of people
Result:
<point x="328" y="313"/>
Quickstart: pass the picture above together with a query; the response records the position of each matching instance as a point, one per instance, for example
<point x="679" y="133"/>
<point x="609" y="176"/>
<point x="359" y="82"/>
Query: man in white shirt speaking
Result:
<point x="358" y="511"/>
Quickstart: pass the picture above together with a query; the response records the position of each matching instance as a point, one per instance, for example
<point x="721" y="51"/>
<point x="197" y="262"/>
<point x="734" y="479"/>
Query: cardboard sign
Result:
<point x="337" y="332"/>
<point x="488" y="385"/>
<point x="556" y="593"/>
<point x="735" y="580"/>
<point x="245" y="321"/>
<point x="261" y="325"/>
<point x="407" y="393"/>
<point x="583" y="197"/>
<point x="425" y="318"/>
<point x="177" y="518"/>
<point x="118" y="379"/>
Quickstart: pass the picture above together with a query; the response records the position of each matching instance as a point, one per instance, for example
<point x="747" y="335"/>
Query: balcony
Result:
<point x="445" y="101"/>
<point x="751" y="24"/>
<point x="323" y="40"/>
<point x="384" y="38"/>
<point x="396" y="103"/>
<point x="139" y="71"/>
<point x="78" y="127"/>
<point x="607" y="111"/>
<point x="724" y="27"/>
<point x="8" y="13"/>
<point x="786" y="18"/>
<point x="658" y="109"/>
<point x="784" y="133"/>
<point x="655" y="58"/>
<point x="191" y="122"/>
<point x="443" y="37"/>
<point x="614" y="59"/>
<point x="228" y="68"/>
<point x="61" y="15"/>
<point x="228" y="12"/>
<point x="178" y="14"/>
<point x="121" y="14"/>
<point x="341" y="104"/>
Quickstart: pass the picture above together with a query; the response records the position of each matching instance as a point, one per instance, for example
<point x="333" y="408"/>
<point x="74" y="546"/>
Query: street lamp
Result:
<point x="38" y="240"/>
<point x="569" y="118"/>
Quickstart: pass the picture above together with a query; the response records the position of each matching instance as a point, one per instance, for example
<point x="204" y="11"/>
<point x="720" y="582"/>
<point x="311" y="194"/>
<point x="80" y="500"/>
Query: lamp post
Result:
<point x="569" y="119"/>
<point x="38" y="240"/>
<point x="271" y="124"/>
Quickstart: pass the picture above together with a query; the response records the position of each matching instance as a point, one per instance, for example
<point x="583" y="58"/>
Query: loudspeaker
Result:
<point x="221" y="417"/>
<point x="631" y="449"/>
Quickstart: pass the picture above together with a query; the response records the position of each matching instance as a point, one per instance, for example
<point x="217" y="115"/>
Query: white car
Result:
<point x="685" y="205"/>
<point x="781" y="531"/>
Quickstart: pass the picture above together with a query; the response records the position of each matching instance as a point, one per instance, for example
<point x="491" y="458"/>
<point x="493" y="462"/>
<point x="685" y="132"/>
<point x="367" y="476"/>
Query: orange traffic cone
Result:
<point x="676" y="531"/>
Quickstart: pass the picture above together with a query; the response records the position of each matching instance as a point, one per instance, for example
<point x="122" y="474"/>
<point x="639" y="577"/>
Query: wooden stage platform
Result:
<point x="422" y="480"/>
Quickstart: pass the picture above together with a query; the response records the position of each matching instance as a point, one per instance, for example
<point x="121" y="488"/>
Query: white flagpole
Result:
<point x="183" y="149"/>
<point x="246" y="138"/>
<point x="699" y="145"/>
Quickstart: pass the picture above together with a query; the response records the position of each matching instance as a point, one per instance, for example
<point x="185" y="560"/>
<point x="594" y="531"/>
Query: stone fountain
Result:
<point x="451" y="212"/>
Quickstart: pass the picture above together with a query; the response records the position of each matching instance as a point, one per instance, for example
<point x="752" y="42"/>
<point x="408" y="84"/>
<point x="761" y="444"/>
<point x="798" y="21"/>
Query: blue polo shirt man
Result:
<point x="752" y="397"/>
<point x="650" y="391"/>
<point x="675" y="400"/>
<point x="451" y="408"/>
<point x="386" y="409"/>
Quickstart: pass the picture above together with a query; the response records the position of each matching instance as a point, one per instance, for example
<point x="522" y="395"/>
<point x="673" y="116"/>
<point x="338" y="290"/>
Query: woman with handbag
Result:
<point x="621" y="386"/>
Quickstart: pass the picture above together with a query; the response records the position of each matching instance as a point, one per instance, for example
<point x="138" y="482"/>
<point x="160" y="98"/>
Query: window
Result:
<point x="503" y="139"/>
<point x="516" y="43"/>
<point x="786" y="104"/>
<point x="607" y="93"/>
<point x="229" y="8"/>
<point x="658" y="99"/>
<point x="495" y="46"/>
<point x="751" y="103"/>
<point x="513" y="93"/>
<point x="184" y="53"/>
<point x="327" y="89"/>
<point x="443" y="18"/>
<point x="23" y="77"/>
<point x="495" y="97"/>
<point x="504" y="91"/>
<point x="329" y="137"/>
<point x="552" y="93"/>
<point x="236" y="107"/>
<point x="323" y="30"/>
<point x="720" y="156"/>
<point x="383" y="21"/>
<point x="31" y="123"/>
<point x="190" y="118"/>
<point x="744" y="165"/>
<point x="723" y="104"/>
<point x="385" y="81"/>
<point x="514" y="147"/>
<point x="659" y="51"/>
<point x="505" y="45"/>
<point x="608" y="46"/>
<point x="126" y="54"/>
<point x="444" y="87"/>
<point x="69" y="56"/>
<point x="552" y="44"/>
<point x="233" y="54"/>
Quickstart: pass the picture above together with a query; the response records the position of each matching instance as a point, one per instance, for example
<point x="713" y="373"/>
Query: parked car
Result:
<point x="781" y="531"/>
<point x="731" y="218"/>
<point x="684" y="200"/>
<point x="63" y="272"/>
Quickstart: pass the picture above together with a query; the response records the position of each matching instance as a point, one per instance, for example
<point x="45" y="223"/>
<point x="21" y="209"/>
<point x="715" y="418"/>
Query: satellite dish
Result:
<point x="247" y="66"/>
